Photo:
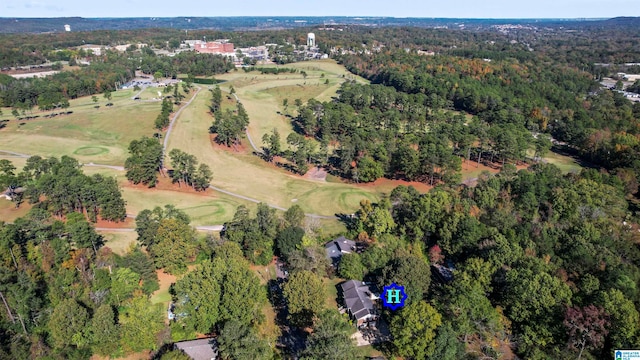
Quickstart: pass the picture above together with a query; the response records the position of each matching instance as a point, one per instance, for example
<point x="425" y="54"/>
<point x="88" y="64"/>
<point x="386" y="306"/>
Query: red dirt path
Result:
<point x="126" y="224"/>
<point x="164" y="183"/>
<point x="384" y="183"/>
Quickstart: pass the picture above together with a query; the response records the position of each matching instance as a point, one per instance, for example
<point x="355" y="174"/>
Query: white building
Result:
<point x="311" y="40"/>
<point x="67" y="28"/>
<point x="95" y="49"/>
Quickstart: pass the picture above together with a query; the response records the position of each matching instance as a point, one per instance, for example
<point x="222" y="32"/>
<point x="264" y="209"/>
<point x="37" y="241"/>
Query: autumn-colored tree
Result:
<point x="587" y="327"/>
<point x="435" y="254"/>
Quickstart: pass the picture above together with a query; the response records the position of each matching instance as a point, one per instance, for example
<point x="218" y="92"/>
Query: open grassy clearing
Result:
<point x="119" y="242"/>
<point x="8" y="211"/>
<point x="331" y="302"/>
<point x="566" y="163"/>
<point x="91" y="135"/>
<point x="162" y="294"/>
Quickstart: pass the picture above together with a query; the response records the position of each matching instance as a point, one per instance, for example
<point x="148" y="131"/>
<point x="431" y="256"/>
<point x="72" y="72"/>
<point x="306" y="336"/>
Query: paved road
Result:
<point x="175" y="116"/>
<point x="114" y="167"/>
<point x="13" y="153"/>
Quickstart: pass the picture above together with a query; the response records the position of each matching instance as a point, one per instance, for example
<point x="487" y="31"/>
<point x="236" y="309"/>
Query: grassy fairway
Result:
<point x="208" y="208"/>
<point x="248" y="175"/>
<point x="262" y="95"/>
<point x="566" y="163"/>
<point x="89" y="134"/>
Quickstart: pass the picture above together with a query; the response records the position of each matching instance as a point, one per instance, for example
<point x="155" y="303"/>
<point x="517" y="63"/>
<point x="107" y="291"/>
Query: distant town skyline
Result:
<point x="370" y="8"/>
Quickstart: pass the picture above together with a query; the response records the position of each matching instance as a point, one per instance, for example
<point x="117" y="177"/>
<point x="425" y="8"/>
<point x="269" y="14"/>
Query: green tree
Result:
<point x="105" y="333"/>
<point x="311" y="258"/>
<point x="144" y="162"/>
<point x="351" y="267"/>
<point x="237" y="341"/>
<point x="67" y="325"/>
<point x="369" y="169"/>
<point x="216" y="99"/>
<point x="82" y="233"/>
<point x="446" y="344"/>
<point x="410" y="271"/>
<point x="272" y="143"/>
<point x="331" y="338"/>
<point x="197" y="298"/>
<point x="414" y="329"/>
<point x="288" y="240"/>
<point x="148" y="221"/>
<point x="305" y="294"/>
<point x="543" y="145"/>
<point x="623" y="331"/>
<point x="123" y="282"/>
<point x="202" y="177"/>
<point x="532" y="295"/>
<point x="174" y="246"/>
<point x="184" y="167"/>
<point x="140" y="323"/>
<point x="242" y="295"/>
<point x="220" y="290"/>
<point x="294" y="216"/>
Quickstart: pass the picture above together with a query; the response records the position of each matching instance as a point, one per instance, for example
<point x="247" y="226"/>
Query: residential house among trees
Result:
<point x="335" y="248"/>
<point x="359" y="300"/>
<point x="200" y="349"/>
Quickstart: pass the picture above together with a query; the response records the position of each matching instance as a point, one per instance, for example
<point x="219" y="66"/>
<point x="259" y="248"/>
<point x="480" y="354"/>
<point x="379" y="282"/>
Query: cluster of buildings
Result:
<point x="98" y="49"/>
<point x="220" y="47"/>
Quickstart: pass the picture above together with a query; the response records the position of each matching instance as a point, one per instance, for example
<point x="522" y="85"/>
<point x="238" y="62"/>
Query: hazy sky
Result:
<point x="397" y="8"/>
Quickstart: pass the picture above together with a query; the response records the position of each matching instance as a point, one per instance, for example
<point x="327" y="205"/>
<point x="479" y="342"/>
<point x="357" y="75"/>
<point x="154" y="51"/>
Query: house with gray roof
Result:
<point x="335" y="248"/>
<point x="359" y="299"/>
<point x="200" y="349"/>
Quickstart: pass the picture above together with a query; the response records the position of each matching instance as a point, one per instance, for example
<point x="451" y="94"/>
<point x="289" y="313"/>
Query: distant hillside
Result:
<point x="44" y="25"/>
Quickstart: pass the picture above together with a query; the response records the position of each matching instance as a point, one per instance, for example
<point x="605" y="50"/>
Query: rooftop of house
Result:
<point x="200" y="349"/>
<point x="343" y="244"/>
<point x="358" y="298"/>
<point x="335" y="248"/>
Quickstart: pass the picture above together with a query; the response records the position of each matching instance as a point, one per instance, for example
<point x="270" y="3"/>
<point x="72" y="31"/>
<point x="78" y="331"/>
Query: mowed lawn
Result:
<point x="248" y="175"/>
<point x="118" y="241"/>
<point x="90" y="135"/>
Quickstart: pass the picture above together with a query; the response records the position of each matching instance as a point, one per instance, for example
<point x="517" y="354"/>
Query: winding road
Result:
<point x="175" y="116"/>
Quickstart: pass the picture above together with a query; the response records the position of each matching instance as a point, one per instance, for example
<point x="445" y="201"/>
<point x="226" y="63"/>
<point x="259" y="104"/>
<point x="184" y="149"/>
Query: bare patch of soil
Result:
<point x="385" y="185"/>
<point x="316" y="174"/>
<point x="164" y="183"/>
<point x="128" y="223"/>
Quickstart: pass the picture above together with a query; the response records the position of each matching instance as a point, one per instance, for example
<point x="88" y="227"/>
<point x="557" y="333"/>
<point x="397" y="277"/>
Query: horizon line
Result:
<point x="320" y="16"/>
